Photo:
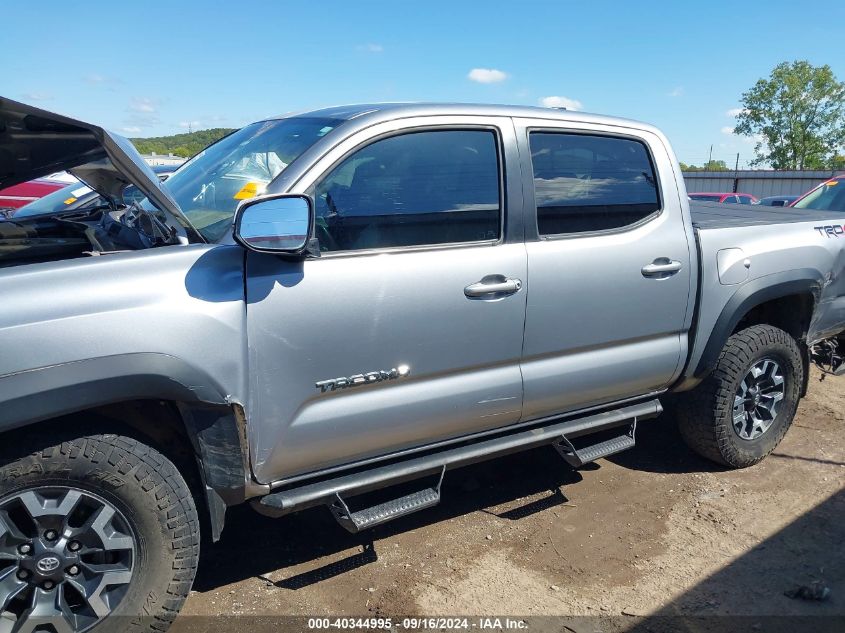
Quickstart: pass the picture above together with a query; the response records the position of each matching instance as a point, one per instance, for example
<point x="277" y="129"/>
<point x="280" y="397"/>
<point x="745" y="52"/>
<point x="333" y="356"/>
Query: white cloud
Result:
<point x="561" y="102"/>
<point x="371" y="48"/>
<point x="141" y="119"/>
<point x="735" y="112"/>
<point x="131" y="129"/>
<point x="678" y="91"/>
<point x="143" y="104"/>
<point x="486" y="75"/>
<point x="96" y="79"/>
<point x="728" y="129"/>
<point x="37" y="96"/>
<point x="190" y="124"/>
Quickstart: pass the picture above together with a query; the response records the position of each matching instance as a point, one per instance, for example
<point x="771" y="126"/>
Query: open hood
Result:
<point x="35" y="142"/>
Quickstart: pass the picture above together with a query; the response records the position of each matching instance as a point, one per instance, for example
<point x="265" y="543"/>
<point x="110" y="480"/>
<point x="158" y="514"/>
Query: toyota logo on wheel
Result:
<point x="48" y="564"/>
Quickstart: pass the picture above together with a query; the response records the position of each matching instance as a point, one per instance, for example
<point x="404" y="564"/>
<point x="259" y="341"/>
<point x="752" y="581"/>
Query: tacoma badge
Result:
<point x="363" y="379"/>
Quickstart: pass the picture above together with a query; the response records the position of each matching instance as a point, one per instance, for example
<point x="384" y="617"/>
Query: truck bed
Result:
<point x="745" y="248"/>
<point x="714" y="215"/>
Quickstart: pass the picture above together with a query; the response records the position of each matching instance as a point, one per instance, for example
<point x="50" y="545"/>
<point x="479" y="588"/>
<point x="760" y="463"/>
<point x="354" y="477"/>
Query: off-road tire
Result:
<point x="151" y="494"/>
<point x="705" y="414"/>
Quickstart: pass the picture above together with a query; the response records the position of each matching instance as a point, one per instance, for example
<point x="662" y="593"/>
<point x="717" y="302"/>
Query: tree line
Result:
<point x="184" y="145"/>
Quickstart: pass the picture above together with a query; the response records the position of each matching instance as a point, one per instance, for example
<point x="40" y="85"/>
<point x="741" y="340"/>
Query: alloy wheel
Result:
<point x="66" y="560"/>
<point x="758" y="399"/>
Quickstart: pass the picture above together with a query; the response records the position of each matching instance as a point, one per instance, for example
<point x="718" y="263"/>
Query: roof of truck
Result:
<point x="389" y="111"/>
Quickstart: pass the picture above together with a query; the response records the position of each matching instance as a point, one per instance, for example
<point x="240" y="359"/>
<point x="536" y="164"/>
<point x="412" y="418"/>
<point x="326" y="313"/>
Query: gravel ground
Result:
<point x="655" y="531"/>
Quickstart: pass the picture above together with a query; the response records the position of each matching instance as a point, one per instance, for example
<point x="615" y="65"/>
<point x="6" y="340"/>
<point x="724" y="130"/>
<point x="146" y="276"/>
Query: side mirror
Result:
<point x="275" y="224"/>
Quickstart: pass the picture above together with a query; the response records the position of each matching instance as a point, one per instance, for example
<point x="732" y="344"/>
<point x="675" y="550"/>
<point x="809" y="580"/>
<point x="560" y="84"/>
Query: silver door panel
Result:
<point x="595" y="376"/>
<point x="339" y="316"/>
<point x="598" y="326"/>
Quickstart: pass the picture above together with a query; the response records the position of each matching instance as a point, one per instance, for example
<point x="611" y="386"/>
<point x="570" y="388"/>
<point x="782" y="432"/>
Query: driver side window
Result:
<point x="419" y="188"/>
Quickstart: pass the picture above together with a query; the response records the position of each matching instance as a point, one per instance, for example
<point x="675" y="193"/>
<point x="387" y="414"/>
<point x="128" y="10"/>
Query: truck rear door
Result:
<point x="609" y="266"/>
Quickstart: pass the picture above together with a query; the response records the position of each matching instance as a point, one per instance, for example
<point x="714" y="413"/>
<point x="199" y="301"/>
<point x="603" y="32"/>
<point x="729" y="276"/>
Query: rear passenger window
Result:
<point x="588" y="183"/>
<point x="420" y="188"/>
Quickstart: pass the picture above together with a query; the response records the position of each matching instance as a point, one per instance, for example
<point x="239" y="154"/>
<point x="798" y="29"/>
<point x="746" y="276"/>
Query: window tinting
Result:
<point x="419" y="188"/>
<point x="590" y="183"/>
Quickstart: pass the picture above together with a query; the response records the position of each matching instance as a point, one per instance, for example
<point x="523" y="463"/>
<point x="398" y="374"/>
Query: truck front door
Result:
<point x="408" y="329"/>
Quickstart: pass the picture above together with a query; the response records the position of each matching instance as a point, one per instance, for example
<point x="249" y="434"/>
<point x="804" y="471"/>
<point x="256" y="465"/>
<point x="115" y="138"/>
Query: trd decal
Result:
<point x="831" y="230"/>
<point x="363" y="379"/>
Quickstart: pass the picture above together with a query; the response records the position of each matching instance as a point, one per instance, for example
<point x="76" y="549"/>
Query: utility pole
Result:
<point x="736" y="174"/>
<point x="710" y="157"/>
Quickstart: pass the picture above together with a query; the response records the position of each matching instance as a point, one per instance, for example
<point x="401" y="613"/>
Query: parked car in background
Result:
<point x="724" y="198"/>
<point x="828" y="196"/>
<point x="80" y="197"/>
<point x="777" y="201"/>
<point x="24" y="193"/>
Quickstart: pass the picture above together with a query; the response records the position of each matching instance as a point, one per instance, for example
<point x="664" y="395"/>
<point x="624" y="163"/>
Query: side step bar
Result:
<point x="383" y="512"/>
<point x="577" y="458"/>
<point x="333" y="491"/>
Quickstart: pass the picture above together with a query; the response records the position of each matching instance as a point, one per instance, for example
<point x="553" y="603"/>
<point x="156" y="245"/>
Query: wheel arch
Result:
<point x="124" y="391"/>
<point x="799" y="289"/>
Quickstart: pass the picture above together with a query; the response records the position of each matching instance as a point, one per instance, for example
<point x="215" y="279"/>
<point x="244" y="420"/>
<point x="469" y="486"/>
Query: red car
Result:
<point x="732" y="198"/>
<point x="24" y="193"/>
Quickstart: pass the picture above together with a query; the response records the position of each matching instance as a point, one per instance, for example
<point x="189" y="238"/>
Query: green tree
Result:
<point x="716" y="165"/>
<point x="798" y="113"/>
<point x="711" y="165"/>
<point x="184" y="145"/>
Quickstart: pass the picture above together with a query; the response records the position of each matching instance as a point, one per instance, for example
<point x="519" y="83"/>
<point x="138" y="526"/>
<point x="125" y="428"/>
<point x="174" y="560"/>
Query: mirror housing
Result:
<point x="278" y="223"/>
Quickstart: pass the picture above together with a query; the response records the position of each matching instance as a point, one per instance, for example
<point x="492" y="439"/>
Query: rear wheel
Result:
<point x="96" y="531"/>
<point x="741" y="412"/>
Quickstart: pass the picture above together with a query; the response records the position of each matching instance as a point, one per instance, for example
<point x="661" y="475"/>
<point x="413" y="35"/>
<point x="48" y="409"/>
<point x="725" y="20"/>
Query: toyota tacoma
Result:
<point x="326" y="304"/>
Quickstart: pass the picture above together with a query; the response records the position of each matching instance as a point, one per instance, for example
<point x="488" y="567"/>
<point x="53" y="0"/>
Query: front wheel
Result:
<point x="98" y="531"/>
<point x="740" y="413"/>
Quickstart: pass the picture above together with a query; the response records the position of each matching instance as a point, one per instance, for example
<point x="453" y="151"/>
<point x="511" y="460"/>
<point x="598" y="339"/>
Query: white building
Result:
<point x="154" y="159"/>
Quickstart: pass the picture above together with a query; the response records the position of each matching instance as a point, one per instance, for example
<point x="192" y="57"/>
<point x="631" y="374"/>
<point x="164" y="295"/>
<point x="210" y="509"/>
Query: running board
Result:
<point x="577" y="458"/>
<point x="383" y="512"/>
<point x="333" y="491"/>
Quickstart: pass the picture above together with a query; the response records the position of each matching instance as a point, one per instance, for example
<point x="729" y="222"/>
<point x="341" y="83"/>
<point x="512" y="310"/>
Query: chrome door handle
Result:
<point x="493" y="285"/>
<point x="662" y="267"/>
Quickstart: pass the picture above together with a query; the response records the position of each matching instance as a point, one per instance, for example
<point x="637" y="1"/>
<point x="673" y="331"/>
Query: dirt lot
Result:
<point x="654" y="531"/>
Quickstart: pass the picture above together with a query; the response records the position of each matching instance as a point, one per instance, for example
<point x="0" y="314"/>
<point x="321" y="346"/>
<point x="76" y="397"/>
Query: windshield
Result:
<point x="828" y="196"/>
<point x="55" y="202"/>
<point x="698" y="196"/>
<point x="209" y="187"/>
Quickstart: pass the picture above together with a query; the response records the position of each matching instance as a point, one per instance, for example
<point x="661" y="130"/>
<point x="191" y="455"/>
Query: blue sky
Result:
<point x="153" y="68"/>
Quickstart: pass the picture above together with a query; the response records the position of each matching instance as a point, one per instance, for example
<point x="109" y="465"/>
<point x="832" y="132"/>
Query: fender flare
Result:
<point x="38" y="394"/>
<point x="756" y="292"/>
<point x="215" y="424"/>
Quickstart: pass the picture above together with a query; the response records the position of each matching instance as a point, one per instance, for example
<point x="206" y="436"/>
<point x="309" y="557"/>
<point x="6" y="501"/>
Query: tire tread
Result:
<point x="704" y="417"/>
<point x="157" y="477"/>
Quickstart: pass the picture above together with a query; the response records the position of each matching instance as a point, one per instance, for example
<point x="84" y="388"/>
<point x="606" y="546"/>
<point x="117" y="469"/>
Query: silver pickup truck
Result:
<point x="328" y="303"/>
